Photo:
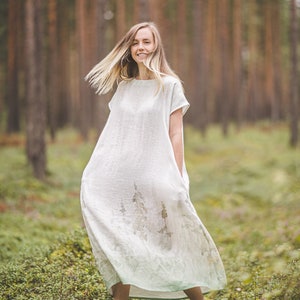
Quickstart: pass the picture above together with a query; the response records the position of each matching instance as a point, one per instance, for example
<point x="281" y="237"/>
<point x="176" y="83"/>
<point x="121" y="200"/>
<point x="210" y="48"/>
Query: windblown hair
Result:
<point x="119" y="65"/>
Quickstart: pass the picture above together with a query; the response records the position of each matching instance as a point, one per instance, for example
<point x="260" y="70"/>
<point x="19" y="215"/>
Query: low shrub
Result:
<point x="64" y="271"/>
<point x="245" y="189"/>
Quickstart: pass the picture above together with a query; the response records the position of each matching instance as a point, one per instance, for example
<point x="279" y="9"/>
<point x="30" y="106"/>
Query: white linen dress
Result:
<point x="142" y="226"/>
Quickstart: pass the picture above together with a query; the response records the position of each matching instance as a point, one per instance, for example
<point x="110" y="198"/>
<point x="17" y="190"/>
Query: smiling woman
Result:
<point x="141" y="47"/>
<point x="119" y="64"/>
<point x="145" y="233"/>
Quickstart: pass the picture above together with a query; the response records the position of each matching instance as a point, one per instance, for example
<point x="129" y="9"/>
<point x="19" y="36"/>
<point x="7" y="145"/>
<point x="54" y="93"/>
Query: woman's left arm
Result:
<point x="175" y="133"/>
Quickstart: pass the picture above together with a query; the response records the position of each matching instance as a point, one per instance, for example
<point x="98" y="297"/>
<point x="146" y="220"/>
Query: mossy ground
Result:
<point x="246" y="189"/>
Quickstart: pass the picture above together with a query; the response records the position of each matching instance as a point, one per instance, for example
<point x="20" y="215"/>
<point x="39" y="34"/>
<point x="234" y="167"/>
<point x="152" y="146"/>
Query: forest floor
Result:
<point x="246" y="189"/>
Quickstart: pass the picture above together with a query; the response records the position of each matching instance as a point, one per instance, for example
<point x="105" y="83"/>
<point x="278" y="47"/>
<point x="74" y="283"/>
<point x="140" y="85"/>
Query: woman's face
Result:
<point x="143" y="45"/>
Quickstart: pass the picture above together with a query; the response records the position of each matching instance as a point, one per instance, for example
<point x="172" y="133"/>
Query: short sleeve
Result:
<point x="110" y="104"/>
<point x="112" y="100"/>
<point x="115" y="96"/>
<point x="178" y="99"/>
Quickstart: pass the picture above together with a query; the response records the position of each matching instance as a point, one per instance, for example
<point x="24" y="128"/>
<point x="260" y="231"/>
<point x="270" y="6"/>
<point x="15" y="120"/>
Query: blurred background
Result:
<point x="239" y="63"/>
<point x="237" y="60"/>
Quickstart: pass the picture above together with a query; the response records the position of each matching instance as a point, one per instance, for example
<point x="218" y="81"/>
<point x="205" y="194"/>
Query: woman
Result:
<point x="145" y="234"/>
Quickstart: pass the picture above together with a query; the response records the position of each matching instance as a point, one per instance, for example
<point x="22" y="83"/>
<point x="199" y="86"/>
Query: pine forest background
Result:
<point x="237" y="59"/>
<point x="239" y="63"/>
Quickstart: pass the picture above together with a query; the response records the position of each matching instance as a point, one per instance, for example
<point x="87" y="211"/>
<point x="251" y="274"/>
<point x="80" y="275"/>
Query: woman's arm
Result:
<point x="175" y="133"/>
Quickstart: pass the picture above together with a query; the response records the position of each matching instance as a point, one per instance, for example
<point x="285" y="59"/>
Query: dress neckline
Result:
<point x="144" y="80"/>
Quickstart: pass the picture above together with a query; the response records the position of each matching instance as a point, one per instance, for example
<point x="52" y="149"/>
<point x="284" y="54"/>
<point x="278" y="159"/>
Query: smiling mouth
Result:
<point x="142" y="54"/>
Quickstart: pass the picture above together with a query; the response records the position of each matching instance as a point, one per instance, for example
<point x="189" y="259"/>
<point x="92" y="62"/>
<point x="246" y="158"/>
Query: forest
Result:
<point x="239" y="64"/>
<point x="238" y="61"/>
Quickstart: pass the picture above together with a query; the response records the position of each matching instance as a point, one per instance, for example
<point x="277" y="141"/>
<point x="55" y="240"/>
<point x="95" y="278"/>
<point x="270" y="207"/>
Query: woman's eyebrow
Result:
<point x="145" y="39"/>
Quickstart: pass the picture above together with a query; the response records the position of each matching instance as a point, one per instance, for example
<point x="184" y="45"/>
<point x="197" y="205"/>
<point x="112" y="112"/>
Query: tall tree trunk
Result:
<point x="141" y="10"/>
<point x="217" y="62"/>
<point x="120" y="19"/>
<point x="252" y="83"/>
<point x="52" y="68"/>
<point x="294" y="98"/>
<point x="83" y="92"/>
<point x="66" y="93"/>
<point x="277" y="60"/>
<point x="13" y="117"/>
<point x="157" y="8"/>
<point x="223" y="95"/>
<point x="212" y="60"/>
<point x="199" y="67"/>
<point x="270" y="103"/>
<point x="35" y="94"/>
<point x="181" y="52"/>
<point x="83" y="47"/>
<point x="237" y="63"/>
<point x="102" y="109"/>
<point x="173" y="35"/>
<point x="92" y="43"/>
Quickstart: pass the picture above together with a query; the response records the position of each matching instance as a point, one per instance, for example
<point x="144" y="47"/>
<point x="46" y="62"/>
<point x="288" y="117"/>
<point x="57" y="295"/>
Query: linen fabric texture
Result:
<point x="142" y="226"/>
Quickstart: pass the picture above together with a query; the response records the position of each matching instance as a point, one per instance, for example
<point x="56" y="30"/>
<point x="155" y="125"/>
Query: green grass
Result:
<point x="246" y="189"/>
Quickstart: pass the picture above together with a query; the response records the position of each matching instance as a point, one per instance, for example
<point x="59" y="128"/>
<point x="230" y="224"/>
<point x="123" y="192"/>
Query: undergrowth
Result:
<point x="245" y="188"/>
<point x="63" y="271"/>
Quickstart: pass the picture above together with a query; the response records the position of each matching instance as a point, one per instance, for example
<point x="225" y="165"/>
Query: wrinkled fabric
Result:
<point x="142" y="226"/>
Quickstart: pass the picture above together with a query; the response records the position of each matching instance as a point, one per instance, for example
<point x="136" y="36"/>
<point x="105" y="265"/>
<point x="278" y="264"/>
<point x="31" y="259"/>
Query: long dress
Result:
<point x="143" y="228"/>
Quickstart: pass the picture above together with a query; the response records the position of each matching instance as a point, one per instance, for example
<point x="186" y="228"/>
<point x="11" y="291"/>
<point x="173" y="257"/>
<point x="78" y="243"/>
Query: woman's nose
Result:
<point x="141" y="46"/>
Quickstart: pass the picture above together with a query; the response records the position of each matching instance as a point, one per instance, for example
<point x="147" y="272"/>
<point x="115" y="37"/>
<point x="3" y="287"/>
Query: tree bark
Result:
<point x="181" y="29"/>
<point x="13" y="116"/>
<point x="141" y="10"/>
<point x="223" y="97"/>
<point x="35" y="93"/>
<point x="277" y="61"/>
<point x="238" y="98"/>
<point x="199" y="67"/>
<point x="269" y="95"/>
<point x="86" y="95"/>
<point x="101" y="103"/>
<point x="120" y="19"/>
<point x="212" y="60"/>
<point x="52" y="68"/>
<point x="252" y="81"/>
<point x="294" y="98"/>
<point x="68" y="85"/>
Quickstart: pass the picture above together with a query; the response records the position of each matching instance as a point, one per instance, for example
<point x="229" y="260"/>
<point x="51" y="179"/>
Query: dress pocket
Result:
<point x="178" y="179"/>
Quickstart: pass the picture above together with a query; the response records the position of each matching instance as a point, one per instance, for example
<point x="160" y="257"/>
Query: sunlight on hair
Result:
<point x="118" y="65"/>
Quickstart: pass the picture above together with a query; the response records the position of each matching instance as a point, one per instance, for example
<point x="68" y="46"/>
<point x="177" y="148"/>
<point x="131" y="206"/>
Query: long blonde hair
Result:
<point x="119" y="65"/>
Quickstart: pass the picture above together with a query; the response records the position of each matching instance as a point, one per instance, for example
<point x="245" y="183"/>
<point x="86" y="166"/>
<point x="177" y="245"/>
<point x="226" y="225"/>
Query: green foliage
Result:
<point x="246" y="189"/>
<point x="33" y="212"/>
<point x="65" y="271"/>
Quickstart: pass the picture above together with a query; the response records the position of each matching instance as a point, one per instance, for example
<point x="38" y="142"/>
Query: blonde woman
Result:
<point x="146" y="237"/>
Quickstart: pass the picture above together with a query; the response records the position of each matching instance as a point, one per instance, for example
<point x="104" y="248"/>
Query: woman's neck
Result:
<point x="144" y="74"/>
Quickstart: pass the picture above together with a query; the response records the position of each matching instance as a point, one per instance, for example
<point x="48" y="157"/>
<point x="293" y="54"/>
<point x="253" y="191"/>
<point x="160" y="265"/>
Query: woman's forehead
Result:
<point x="144" y="33"/>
